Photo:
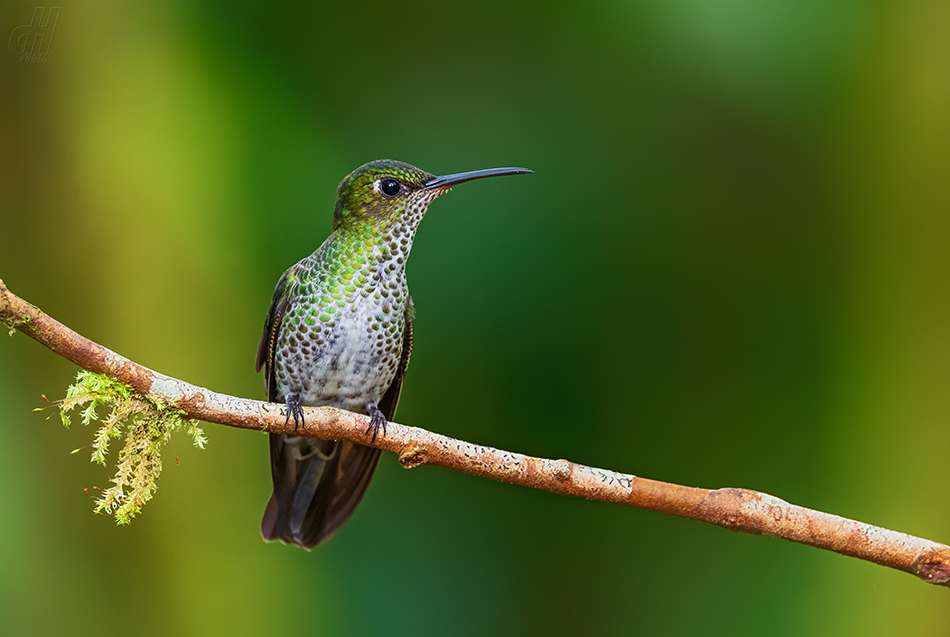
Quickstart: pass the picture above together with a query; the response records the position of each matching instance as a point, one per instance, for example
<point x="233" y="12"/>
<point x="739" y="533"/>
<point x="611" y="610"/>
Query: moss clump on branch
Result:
<point x="147" y="424"/>
<point x="13" y="323"/>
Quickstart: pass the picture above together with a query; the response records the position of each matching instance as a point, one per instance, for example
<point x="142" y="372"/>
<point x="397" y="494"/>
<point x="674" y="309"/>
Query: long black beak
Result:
<point x="447" y="181"/>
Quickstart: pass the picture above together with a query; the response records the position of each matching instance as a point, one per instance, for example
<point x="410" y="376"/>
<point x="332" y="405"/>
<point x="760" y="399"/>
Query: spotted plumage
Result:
<point x="339" y="332"/>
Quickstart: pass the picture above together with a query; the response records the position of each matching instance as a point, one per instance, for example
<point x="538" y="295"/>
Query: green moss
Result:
<point x="146" y="423"/>
<point x="14" y="323"/>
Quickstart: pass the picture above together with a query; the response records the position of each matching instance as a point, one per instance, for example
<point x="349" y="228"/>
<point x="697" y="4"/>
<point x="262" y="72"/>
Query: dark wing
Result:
<point x="265" y="361"/>
<point x="265" y="351"/>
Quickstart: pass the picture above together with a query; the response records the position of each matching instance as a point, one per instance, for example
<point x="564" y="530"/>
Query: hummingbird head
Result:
<point x="380" y="192"/>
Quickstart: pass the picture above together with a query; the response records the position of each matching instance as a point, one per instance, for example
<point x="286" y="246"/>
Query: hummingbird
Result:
<point x="339" y="332"/>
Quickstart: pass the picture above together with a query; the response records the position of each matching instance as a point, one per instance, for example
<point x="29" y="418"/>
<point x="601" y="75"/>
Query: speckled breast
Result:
<point x="346" y="356"/>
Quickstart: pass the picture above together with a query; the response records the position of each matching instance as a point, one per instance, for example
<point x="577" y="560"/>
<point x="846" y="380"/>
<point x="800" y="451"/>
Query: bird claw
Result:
<point x="295" y="409"/>
<point x="377" y="419"/>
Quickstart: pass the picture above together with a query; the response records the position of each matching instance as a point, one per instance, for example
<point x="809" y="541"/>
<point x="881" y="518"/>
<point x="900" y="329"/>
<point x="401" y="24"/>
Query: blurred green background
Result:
<point x="731" y="268"/>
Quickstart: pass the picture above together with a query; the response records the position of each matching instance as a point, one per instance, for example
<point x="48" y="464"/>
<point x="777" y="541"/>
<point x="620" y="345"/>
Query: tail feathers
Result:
<point x="317" y="485"/>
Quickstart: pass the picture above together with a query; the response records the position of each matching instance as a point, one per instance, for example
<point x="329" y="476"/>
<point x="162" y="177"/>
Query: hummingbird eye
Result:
<point x="390" y="187"/>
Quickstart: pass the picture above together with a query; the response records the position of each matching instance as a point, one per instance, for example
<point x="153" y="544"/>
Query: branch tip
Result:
<point x="934" y="566"/>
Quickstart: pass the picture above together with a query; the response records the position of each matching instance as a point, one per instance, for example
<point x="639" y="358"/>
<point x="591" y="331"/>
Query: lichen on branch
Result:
<point x="13" y="323"/>
<point x="147" y="424"/>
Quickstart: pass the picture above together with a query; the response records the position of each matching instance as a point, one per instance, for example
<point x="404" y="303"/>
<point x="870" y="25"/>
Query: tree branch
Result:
<point x="737" y="509"/>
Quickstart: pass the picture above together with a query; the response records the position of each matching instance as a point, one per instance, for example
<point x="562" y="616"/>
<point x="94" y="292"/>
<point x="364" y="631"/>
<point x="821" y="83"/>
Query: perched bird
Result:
<point x="339" y="332"/>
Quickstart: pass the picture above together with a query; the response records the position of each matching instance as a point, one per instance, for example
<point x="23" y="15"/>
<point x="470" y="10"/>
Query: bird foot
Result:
<point x="377" y="419"/>
<point x="295" y="409"/>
